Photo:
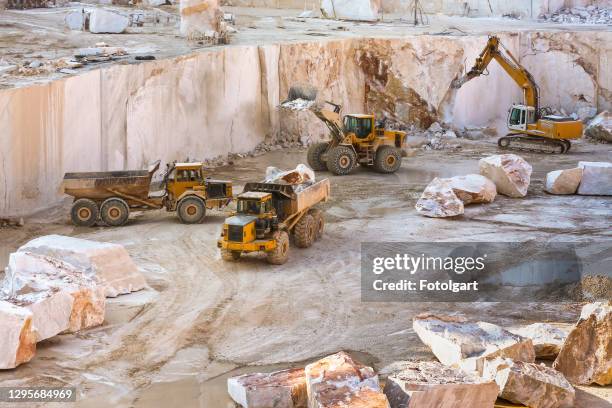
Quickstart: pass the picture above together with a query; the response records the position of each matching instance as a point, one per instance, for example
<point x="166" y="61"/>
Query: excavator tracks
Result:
<point x="536" y="144"/>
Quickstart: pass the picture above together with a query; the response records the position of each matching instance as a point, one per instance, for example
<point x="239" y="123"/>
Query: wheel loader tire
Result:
<point x="281" y="253"/>
<point x="115" y="212"/>
<point x="341" y="160"/>
<point x="84" y="212"/>
<point x="315" y="156"/>
<point x="388" y="159"/>
<point x="319" y="221"/>
<point x="191" y="210"/>
<point x="228" y="255"/>
<point x="305" y="231"/>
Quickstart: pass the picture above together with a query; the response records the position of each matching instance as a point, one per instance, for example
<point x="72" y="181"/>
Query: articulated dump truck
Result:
<point x="267" y="214"/>
<point x="111" y="195"/>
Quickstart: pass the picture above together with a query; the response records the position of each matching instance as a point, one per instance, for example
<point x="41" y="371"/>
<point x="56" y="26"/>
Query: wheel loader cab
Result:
<point x="362" y="126"/>
<point x="520" y="116"/>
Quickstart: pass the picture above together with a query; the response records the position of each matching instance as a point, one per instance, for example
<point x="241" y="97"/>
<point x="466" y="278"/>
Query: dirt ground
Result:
<point x="202" y="319"/>
<point x="41" y="34"/>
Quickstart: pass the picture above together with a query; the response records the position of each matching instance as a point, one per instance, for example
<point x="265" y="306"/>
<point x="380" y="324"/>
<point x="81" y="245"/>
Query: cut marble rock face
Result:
<point x="510" y="173"/>
<point x="109" y="264"/>
<point x="428" y="384"/>
<point x="596" y="178"/>
<point x="586" y="355"/>
<point x="280" y="389"/>
<point x="547" y="339"/>
<point x="439" y="200"/>
<point x="59" y="296"/>
<point x="18" y="339"/>
<point x="456" y="342"/>
<point x="563" y="181"/>
<point x="339" y="381"/>
<point x="530" y="384"/>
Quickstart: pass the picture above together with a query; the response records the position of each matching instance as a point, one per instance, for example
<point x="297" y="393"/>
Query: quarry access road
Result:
<point x="202" y="319"/>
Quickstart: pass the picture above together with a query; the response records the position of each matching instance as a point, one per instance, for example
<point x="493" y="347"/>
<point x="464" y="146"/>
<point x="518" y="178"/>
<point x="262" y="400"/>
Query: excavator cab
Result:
<point x="520" y="116"/>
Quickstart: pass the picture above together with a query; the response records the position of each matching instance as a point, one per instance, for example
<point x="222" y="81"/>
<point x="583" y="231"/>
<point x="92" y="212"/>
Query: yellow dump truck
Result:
<point x="111" y="195"/>
<point x="267" y="214"/>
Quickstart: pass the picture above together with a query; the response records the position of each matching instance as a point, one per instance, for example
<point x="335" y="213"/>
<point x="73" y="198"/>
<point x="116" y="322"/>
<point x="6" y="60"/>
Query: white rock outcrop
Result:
<point x="600" y="128"/>
<point x="104" y="21"/>
<point x="586" y="355"/>
<point x="563" y="181"/>
<point x="200" y="18"/>
<point x="439" y="200"/>
<point x="546" y="338"/>
<point x="473" y="189"/>
<point x="533" y="385"/>
<point x="18" y="339"/>
<point x="109" y="264"/>
<point x="457" y="342"/>
<point x="428" y="384"/>
<point x="510" y="173"/>
<point x="59" y="296"/>
<point x="338" y="380"/>
<point x="361" y="10"/>
<point x="280" y="389"/>
<point x="596" y="178"/>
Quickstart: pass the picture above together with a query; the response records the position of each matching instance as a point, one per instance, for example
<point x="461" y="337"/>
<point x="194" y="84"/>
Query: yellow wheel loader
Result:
<point x="268" y="214"/>
<point x="111" y="195"/>
<point x="355" y="139"/>
<point x="531" y="127"/>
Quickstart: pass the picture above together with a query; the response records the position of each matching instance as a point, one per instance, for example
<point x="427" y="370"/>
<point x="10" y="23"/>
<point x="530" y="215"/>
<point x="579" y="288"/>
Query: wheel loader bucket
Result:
<point x="306" y="92"/>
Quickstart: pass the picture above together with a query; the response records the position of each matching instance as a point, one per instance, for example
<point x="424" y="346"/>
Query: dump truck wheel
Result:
<point x="319" y="221"/>
<point x="305" y="231"/>
<point x="114" y="212"/>
<point x="388" y="159"/>
<point x="280" y="254"/>
<point x="84" y="212"/>
<point x="191" y="210"/>
<point x="341" y="160"/>
<point x="315" y="156"/>
<point x="228" y="255"/>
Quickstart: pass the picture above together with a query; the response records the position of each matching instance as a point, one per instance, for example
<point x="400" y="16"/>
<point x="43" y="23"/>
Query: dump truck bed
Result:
<point x="99" y="186"/>
<point x="293" y="199"/>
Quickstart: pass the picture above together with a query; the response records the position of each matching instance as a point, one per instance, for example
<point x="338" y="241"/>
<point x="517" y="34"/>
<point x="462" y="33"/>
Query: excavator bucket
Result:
<point x="305" y="92"/>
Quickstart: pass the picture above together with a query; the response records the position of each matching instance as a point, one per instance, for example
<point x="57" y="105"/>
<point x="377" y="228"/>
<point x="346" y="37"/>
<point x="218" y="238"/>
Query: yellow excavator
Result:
<point x="531" y="127"/>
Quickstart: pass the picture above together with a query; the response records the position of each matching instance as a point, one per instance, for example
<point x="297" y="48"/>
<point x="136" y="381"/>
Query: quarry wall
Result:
<point x="224" y="100"/>
<point x="472" y="8"/>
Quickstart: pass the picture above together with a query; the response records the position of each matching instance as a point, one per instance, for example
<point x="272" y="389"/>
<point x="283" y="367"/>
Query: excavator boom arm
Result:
<point x="510" y="64"/>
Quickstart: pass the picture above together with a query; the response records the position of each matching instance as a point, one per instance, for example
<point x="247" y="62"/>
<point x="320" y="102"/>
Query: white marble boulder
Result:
<point x="426" y="384"/>
<point x="596" y="178"/>
<point x="358" y="10"/>
<point x="104" y="21"/>
<point x="547" y="339"/>
<point x="18" y="339"/>
<point x="533" y="385"/>
<point x="457" y="342"/>
<point x="563" y="181"/>
<point x="439" y="200"/>
<point x="586" y="355"/>
<point x="338" y="380"/>
<point x="280" y="389"/>
<point x="109" y="264"/>
<point x="473" y="189"/>
<point x="510" y="173"/>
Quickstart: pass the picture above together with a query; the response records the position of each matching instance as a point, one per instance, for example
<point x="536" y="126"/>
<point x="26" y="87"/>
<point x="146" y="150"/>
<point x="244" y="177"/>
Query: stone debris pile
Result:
<point x="298" y="104"/>
<point x="580" y="15"/>
<point x="447" y="197"/>
<point x="600" y="128"/>
<point x="589" y="178"/>
<point x="300" y="177"/>
<point x="56" y="284"/>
